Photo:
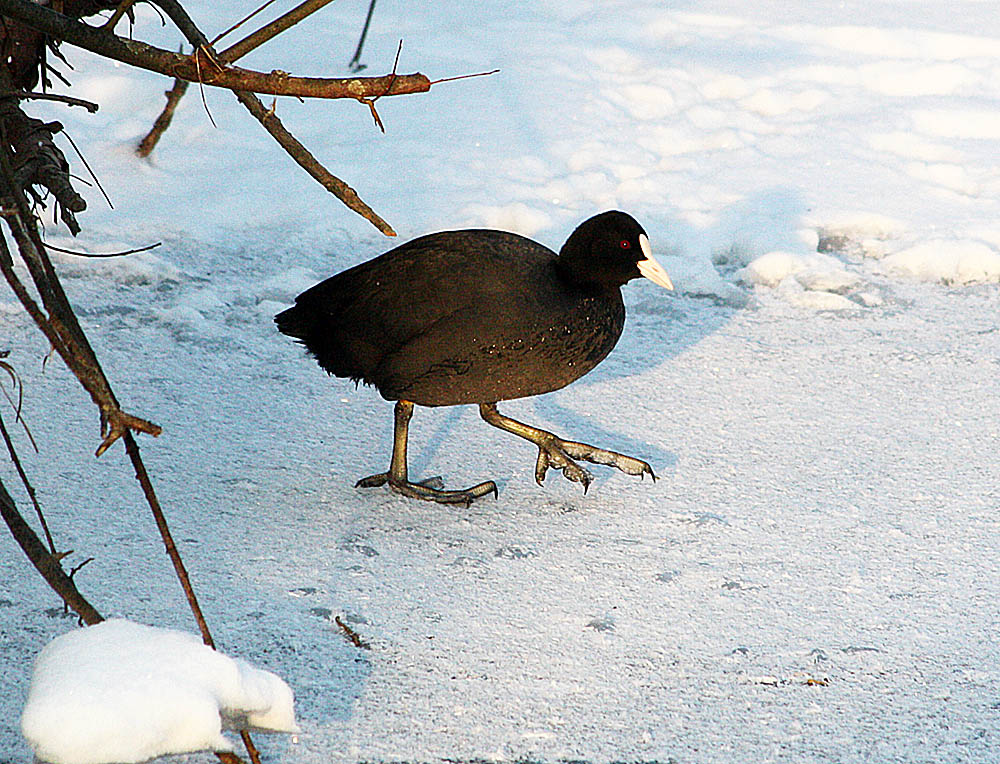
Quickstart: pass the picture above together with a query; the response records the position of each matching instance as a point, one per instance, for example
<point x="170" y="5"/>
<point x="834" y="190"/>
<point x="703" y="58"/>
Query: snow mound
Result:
<point x="124" y="692"/>
<point x="814" y="271"/>
<point x="947" y="261"/>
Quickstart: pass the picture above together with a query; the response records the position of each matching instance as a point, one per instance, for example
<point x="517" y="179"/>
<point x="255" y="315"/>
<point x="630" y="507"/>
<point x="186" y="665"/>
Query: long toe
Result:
<point x="428" y="491"/>
<point x="627" y="464"/>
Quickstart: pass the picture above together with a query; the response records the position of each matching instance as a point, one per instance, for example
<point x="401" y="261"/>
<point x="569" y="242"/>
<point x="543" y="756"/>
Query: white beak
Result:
<point x="651" y="269"/>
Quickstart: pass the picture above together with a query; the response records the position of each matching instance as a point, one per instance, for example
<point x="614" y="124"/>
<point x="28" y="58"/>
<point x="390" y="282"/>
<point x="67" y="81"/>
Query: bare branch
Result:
<point x="309" y="163"/>
<point x="60" y="325"/>
<point x="269" y="120"/>
<point x="88" y="105"/>
<point x="46" y="563"/>
<point x="124" y="7"/>
<point x="276" y="27"/>
<point x="174" y="95"/>
<point x="186" y="67"/>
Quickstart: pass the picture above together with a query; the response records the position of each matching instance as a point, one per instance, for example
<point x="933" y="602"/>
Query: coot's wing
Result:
<point x="353" y="321"/>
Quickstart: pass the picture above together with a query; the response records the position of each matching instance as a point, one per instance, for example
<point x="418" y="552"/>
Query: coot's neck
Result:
<point x="587" y="273"/>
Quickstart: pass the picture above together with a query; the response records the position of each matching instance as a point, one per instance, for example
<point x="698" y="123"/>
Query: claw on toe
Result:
<point x="560" y="454"/>
<point x="373" y="481"/>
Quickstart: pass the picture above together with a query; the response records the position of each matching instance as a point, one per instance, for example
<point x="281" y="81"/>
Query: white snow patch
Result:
<point x="812" y="270"/>
<point x="947" y="261"/>
<point x="124" y="692"/>
<point x="792" y="291"/>
<point x="140" y="268"/>
<point x="915" y="147"/>
<point x="863" y="224"/>
<point x="975" y="124"/>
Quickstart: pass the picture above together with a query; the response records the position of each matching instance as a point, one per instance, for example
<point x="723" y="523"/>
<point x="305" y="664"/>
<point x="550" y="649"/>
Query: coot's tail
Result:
<point x="295" y="322"/>
<point x="314" y="329"/>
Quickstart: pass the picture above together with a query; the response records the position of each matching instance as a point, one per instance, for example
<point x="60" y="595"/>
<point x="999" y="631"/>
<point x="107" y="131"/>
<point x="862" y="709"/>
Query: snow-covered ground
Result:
<point x="816" y="576"/>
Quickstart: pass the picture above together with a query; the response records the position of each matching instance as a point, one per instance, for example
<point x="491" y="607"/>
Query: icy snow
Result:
<point x="815" y="576"/>
<point x="124" y="692"/>
<point x="948" y="261"/>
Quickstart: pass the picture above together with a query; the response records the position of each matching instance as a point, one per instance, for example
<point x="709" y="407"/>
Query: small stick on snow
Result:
<point x="351" y="634"/>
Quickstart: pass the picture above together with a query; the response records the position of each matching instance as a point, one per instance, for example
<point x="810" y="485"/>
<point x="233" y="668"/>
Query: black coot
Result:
<point x="479" y="316"/>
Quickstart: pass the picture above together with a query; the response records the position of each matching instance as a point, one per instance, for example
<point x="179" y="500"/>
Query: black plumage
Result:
<point x="478" y="316"/>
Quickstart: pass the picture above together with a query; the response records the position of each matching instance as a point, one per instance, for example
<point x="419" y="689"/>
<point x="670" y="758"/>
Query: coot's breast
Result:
<point x="537" y="341"/>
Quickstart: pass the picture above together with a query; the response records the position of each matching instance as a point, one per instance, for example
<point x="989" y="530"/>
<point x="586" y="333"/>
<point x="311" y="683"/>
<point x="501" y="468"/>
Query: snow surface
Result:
<point x="815" y="577"/>
<point x="124" y="692"/>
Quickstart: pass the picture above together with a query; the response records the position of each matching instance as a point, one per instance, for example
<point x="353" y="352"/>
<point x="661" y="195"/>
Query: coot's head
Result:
<point x="607" y="251"/>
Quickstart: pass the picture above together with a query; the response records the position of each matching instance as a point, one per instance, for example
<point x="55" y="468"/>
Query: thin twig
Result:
<point x="392" y="78"/>
<point x="465" y="76"/>
<point x="16" y="405"/>
<point x="27" y="484"/>
<point x="242" y="21"/>
<point x="120" y="11"/>
<point x="201" y="87"/>
<point x="265" y="33"/>
<point x="174" y="95"/>
<point x="76" y="568"/>
<point x="89" y="169"/>
<point x="88" y="105"/>
<point x="132" y="449"/>
<point x="353" y="636"/>
<point x="103" y="254"/>
<point x="355" y="64"/>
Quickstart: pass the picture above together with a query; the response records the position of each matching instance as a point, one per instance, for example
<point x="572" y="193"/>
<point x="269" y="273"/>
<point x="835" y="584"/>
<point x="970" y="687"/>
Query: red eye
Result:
<point x="624" y="244"/>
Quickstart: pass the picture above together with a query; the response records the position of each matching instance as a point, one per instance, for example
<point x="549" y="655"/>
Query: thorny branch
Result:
<point x="29" y="161"/>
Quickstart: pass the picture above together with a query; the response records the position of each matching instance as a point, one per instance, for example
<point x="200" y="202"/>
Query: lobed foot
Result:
<point x="431" y="489"/>
<point x="560" y="454"/>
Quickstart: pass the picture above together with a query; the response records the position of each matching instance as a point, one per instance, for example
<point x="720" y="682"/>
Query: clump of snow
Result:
<point x="124" y="692"/>
<point x="813" y="271"/>
<point x="947" y="261"/>
<point x="795" y="293"/>
<point x="807" y="280"/>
